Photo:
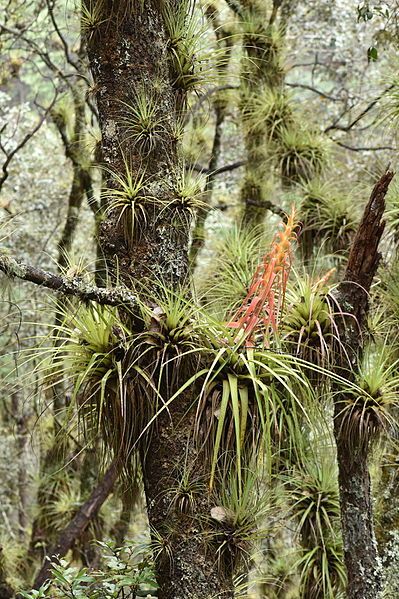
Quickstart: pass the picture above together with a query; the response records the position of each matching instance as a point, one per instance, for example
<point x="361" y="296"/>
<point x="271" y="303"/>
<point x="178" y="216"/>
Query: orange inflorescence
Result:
<point x="324" y="279"/>
<point x="262" y="306"/>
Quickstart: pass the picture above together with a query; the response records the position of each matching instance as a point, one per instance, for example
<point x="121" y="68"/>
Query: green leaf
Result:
<point x="235" y="404"/>
<point x="222" y="417"/>
<point x="372" y="54"/>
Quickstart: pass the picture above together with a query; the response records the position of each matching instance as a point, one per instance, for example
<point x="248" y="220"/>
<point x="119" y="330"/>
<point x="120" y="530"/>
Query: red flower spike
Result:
<point x="260" y="310"/>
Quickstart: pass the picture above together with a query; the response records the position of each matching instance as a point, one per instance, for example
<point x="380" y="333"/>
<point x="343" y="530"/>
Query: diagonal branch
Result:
<point x="370" y="106"/>
<point x="67" y="285"/>
<point x="218" y="171"/>
<point x="78" y="524"/>
<point x="365" y="148"/>
<point x="9" y="155"/>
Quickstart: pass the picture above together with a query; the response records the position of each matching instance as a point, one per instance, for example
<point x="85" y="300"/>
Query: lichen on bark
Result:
<point x="130" y="51"/>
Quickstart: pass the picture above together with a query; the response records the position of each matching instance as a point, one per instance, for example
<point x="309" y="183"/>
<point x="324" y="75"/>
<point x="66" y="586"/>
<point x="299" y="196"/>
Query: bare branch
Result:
<point x="50" y="7"/>
<point x="315" y="91"/>
<point x="218" y="171"/>
<point x="9" y="155"/>
<point x="67" y="285"/>
<point x="364" y="149"/>
<point x="346" y="128"/>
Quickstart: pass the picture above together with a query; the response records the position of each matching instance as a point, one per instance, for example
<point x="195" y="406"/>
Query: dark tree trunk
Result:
<point x="129" y="51"/>
<point x="187" y="561"/>
<point x="360" y="548"/>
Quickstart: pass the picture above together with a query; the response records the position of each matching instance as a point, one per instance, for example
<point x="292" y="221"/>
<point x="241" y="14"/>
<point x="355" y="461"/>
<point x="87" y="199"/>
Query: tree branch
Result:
<point x="66" y="285"/>
<point x="369" y="107"/>
<point x="9" y="155"/>
<point x="315" y="91"/>
<point x="363" y="149"/>
<point x="218" y="171"/>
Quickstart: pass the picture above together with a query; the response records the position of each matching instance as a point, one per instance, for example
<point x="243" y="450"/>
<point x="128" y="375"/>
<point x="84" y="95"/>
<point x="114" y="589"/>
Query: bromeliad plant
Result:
<point x="238" y="520"/>
<point x="263" y="304"/>
<point x="141" y="121"/>
<point x="92" y="345"/>
<point x="236" y="256"/>
<point x="314" y="502"/>
<point x="302" y="154"/>
<point x="368" y="409"/>
<point x="127" y="195"/>
<point x="308" y="322"/>
<point x="192" y="62"/>
<point x="252" y="391"/>
<point x="188" y="194"/>
<point x="268" y="111"/>
<point x="329" y="217"/>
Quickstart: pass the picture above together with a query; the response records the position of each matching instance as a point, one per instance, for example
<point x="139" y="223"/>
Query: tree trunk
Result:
<point x="261" y="71"/>
<point x="360" y="549"/>
<point x="186" y="565"/>
<point x="129" y="52"/>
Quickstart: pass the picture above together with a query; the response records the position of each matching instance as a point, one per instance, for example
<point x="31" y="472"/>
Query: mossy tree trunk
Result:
<point x="129" y="51"/>
<point x="261" y="71"/>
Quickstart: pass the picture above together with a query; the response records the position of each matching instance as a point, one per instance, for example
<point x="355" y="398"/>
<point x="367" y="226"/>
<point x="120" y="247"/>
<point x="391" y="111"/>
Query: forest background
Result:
<point x="200" y="303"/>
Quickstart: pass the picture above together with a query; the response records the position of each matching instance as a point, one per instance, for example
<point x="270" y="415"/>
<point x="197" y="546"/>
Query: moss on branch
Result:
<point x="67" y="285"/>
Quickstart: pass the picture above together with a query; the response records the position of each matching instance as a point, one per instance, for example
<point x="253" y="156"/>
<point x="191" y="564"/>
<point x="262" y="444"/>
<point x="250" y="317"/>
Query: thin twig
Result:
<point x="364" y="112"/>
<point x="218" y="171"/>
<point x="364" y="149"/>
<point x="9" y="155"/>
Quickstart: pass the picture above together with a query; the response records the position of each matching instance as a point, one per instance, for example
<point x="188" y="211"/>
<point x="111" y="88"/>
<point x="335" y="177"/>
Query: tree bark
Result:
<point x="187" y="563"/>
<point x="360" y="549"/>
<point x="129" y="51"/>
